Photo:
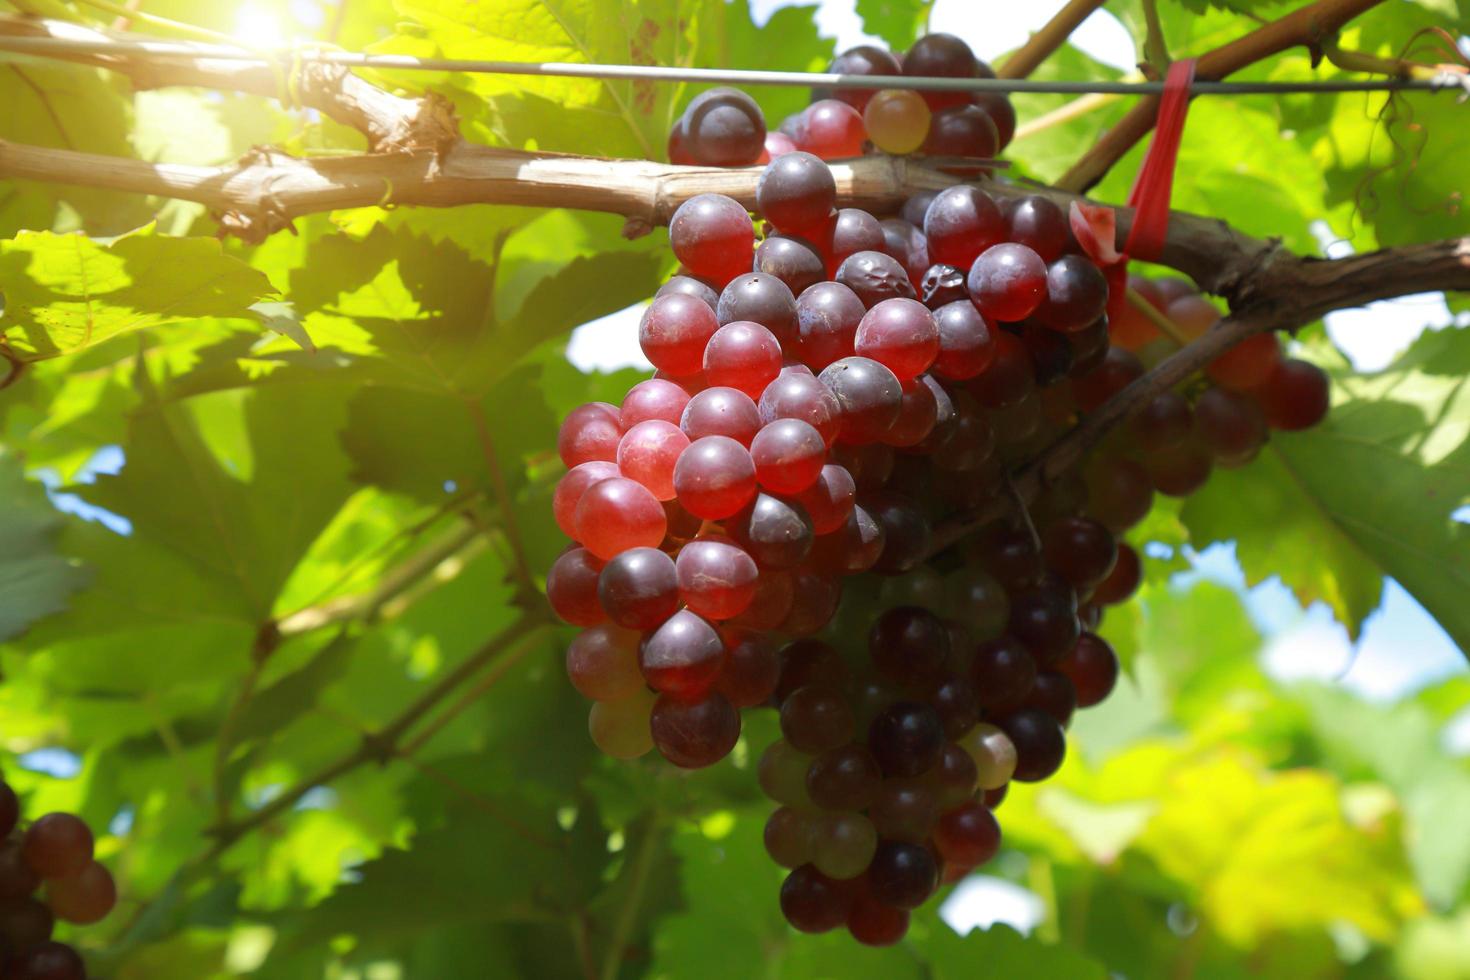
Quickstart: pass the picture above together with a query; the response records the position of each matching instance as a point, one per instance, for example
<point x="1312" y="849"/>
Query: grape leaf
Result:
<point x="34" y="580"/>
<point x="65" y="293"/>
<point x="899" y="22"/>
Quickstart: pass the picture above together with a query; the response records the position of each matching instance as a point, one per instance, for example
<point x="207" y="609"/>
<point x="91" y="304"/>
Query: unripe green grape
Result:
<point x="994" y="755"/>
<point x="620" y="728"/>
<point x="897" y="121"/>
<point x="842" y="844"/>
<point x="923" y="587"/>
<point x="782" y="774"/>
<point x="978" y="601"/>
<point x="789" y="836"/>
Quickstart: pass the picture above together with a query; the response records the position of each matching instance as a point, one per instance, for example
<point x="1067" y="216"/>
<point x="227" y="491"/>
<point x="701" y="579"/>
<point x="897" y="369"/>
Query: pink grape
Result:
<point x="713" y="237"/>
<point x="715" y="477"/>
<point x="602" y="663"/>
<point x="721" y="412"/>
<point x="1008" y="282"/>
<point x="962" y="221"/>
<point x="801" y="396"/>
<point x="744" y="356"/>
<point x="674" y="331"/>
<point x="655" y="398"/>
<point x="716" y="578"/>
<point x="589" y="432"/>
<point x="827" y="317"/>
<point x="617" y="514"/>
<point x="569" y="490"/>
<point x="901" y="335"/>
<point x="648" y="452"/>
<point x="788" y="455"/>
<point x="870" y="395"/>
<point x="832" y="130"/>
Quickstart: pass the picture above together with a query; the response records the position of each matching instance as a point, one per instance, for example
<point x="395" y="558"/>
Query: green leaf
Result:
<point x="65" y="293"/>
<point x="899" y="22"/>
<point x="35" y="581"/>
<point x="236" y="484"/>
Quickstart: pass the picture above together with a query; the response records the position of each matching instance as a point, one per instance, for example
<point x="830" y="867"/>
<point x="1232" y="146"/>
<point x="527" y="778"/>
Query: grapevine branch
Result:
<point x="1025" y="59"/>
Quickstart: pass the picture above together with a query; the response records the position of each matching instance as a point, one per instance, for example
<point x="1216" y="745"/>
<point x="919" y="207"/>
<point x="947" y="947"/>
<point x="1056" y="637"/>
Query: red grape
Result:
<point x="1039" y="741"/>
<point x="901" y="335"/>
<point x="962" y="131"/>
<point x="1036" y="222"/>
<point x="1122" y="581"/>
<point x="82" y="898"/>
<point x="694" y="734"/>
<point x="794" y="261"/>
<point x="571" y="587"/>
<point x="908" y="645"/>
<point x="1179" y="470"/>
<point x="690" y="286"/>
<point x="1119" y="492"/>
<point x="906" y="738"/>
<point x="682" y="657"/>
<point x="1009" y="377"/>
<point x="874" y="277"/>
<point x="759" y="298"/>
<point x="832" y="130"/>
<point x="723" y="127"/>
<point x="751" y="670"/>
<point x="788" y="455"/>
<point x="1076" y="294"/>
<point x="713" y="237"/>
<point x="1248" y="364"/>
<point x="1002" y="673"/>
<point x="812" y="902"/>
<point x="830" y="499"/>
<point x="966" y="346"/>
<point x="1081" y="550"/>
<point x="827" y="317"/>
<point x="968" y="835"/>
<point x="998" y="107"/>
<point x="639" y="588"/>
<point x="903" y="875"/>
<point x="961" y="223"/>
<point x="816" y="718"/>
<point x="50" y="961"/>
<point x="1117" y="371"/>
<point x="943" y="56"/>
<point x="1092" y="666"/>
<point x="844" y="778"/>
<point x="853" y="230"/>
<point x="874" y="924"/>
<point x="788" y="836"/>
<point x="774" y="593"/>
<point x="869" y="394"/>
<point x="57" y="845"/>
<point x="1231" y="424"/>
<point x="1296" y="396"/>
<point x="865" y="59"/>
<point x="802" y="396"/>
<point x="777" y="533"/>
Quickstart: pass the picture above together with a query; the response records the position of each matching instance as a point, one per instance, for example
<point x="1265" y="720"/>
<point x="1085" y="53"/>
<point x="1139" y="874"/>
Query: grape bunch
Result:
<point x="723" y="127"/>
<point x="52" y="856"/>
<point x="753" y="526"/>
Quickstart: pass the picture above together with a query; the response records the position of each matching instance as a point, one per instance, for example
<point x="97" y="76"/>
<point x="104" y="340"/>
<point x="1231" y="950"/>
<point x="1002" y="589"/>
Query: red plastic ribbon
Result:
<point x="1095" y="226"/>
<point x="1155" y="182"/>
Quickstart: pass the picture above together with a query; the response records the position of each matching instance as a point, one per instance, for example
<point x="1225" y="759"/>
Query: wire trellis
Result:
<point x="170" y="50"/>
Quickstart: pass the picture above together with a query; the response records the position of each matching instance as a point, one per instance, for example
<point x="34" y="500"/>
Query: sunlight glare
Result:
<point x="258" y="27"/>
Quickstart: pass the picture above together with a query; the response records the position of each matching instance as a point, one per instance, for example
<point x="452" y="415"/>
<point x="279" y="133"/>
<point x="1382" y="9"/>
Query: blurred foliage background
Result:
<point x="273" y="520"/>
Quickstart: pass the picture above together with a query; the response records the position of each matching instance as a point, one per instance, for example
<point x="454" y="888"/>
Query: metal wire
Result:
<point x="657" y="73"/>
